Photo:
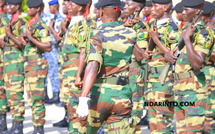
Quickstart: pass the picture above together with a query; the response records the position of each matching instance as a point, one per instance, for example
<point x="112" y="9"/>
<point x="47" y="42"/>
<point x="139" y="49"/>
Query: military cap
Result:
<point x="139" y="1"/>
<point x="34" y="3"/>
<point x="192" y="3"/>
<point x="53" y="2"/>
<point x="208" y="8"/>
<point x="148" y="3"/>
<point x="162" y="1"/>
<point x="178" y="8"/>
<point x="109" y="3"/>
<point x="80" y="2"/>
<point x="14" y="1"/>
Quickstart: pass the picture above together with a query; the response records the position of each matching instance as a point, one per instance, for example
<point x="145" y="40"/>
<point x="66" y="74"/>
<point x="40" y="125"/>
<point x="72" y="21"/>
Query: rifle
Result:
<point x="132" y="17"/>
<point x="151" y="47"/>
<point x="177" y="50"/>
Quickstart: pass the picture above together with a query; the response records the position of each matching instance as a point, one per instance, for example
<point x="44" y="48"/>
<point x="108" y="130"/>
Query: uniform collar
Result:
<point x="15" y="17"/>
<point x="32" y="20"/>
<point x="111" y="23"/>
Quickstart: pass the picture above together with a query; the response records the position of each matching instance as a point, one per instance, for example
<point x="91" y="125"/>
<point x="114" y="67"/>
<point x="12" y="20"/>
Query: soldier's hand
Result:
<point x="8" y="30"/>
<point x="147" y="54"/>
<point x="169" y="56"/>
<point x="78" y="83"/>
<point x="22" y="39"/>
<point x="82" y="109"/>
<point x="2" y="43"/>
<point x="153" y="32"/>
<point x="189" y="31"/>
<point x="28" y="32"/>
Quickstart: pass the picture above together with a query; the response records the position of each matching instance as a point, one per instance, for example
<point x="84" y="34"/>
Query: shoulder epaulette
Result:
<point x="173" y="25"/>
<point x="22" y="21"/>
<point x="141" y="24"/>
<point x="203" y="31"/>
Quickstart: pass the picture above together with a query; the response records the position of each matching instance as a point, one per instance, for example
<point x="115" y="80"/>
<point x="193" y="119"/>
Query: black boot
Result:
<point x="38" y="130"/>
<point x="55" y="98"/>
<point x="17" y="128"/>
<point x="62" y="123"/>
<point x="3" y="123"/>
<point x="46" y="98"/>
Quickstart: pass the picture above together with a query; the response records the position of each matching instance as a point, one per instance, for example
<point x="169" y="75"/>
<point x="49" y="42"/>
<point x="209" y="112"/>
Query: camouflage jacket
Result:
<point x="112" y="45"/>
<point x="41" y="33"/>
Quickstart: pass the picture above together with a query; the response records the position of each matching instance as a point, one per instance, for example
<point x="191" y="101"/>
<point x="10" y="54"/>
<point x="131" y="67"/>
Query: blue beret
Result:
<point x="53" y="2"/>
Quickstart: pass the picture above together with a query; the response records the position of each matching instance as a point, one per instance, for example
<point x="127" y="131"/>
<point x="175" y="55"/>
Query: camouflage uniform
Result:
<point x="209" y="71"/>
<point x="111" y="101"/>
<point x="13" y="70"/>
<point x="36" y="69"/>
<point x="136" y="76"/>
<point x="161" y="117"/>
<point x="190" y="86"/>
<point x="4" y="21"/>
<point x="75" y="38"/>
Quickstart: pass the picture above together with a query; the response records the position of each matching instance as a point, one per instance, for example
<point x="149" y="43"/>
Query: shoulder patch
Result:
<point x="40" y="27"/>
<point x="43" y="33"/>
<point x="204" y="31"/>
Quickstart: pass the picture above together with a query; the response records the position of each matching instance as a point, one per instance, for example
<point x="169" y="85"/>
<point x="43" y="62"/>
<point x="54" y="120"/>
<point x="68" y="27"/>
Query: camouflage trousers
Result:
<point x="52" y="58"/>
<point x="160" y="117"/>
<point x="190" y="119"/>
<point x="3" y="101"/>
<point x="109" y="104"/>
<point x="136" y="84"/>
<point x="209" y="123"/>
<point x="71" y="94"/>
<point x="35" y="74"/>
<point x="14" y="82"/>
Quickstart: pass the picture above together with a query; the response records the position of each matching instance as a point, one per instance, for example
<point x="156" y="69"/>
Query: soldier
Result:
<point x="147" y="17"/>
<point x="51" y="57"/>
<point x="164" y="35"/>
<point x="4" y="21"/>
<point x="209" y="72"/>
<point x="63" y="29"/>
<point x="36" y="40"/>
<point x="190" y="83"/>
<point x="179" y="8"/>
<point x="109" y="59"/>
<point x="14" y="67"/>
<point x="132" y="10"/>
<point x="73" y="54"/>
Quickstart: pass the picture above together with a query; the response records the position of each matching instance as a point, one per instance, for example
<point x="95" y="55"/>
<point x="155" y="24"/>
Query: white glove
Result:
<point x="82" y="109"/>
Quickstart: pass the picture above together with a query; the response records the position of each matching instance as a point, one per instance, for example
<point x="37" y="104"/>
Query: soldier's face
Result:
<point x="157" y="10"/>
<point x="73" y="8"/>
<point x="179" y="16"/>
<point x="146" y="11"/>
<point x="11" y="9"/>
<point x="65" y="7"/>
<point x="129" y="8"/>
<point x="188" y="13"/>
<point x="32" y="12"/>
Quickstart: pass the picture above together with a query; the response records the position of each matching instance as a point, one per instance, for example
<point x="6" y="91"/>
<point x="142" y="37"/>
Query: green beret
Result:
<point x="80" y="2"/>
<point x="208" y="8"/>
<point x="162" y="1"/>
<point x="192" y="3"/>
<point x="178" y="8"/>
<point x="34" y="3"/>
<point x="109" y="3"/>
<point x="14" y="2"/>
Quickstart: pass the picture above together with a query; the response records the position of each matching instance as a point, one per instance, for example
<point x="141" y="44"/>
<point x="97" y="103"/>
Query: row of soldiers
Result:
<point x="109" y="66"/>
